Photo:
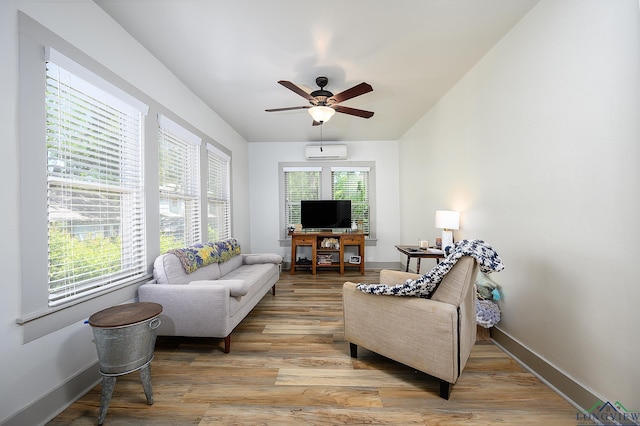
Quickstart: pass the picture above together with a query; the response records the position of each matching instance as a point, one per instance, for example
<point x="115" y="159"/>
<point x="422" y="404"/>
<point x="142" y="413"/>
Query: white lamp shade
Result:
<point x="321" y="114"/>
<point x="447" y="219"/>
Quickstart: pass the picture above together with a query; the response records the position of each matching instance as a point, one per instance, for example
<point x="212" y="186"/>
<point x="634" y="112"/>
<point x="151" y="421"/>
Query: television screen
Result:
<point x="325" y="214"/>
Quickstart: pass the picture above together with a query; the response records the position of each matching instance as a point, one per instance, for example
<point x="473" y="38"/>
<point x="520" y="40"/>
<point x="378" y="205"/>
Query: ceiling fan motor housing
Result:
<point x="321" y="96"/>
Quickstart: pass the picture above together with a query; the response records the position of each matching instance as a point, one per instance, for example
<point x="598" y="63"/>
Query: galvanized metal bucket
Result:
<point x="124" y="349"/>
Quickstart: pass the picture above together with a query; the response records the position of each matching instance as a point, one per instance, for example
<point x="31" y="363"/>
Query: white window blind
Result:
<point x="179" y="168"/>
<point x="352" y="183"/>
<point x="300" y="183"/>
<point x="95" y="209"/>
<point x="218" y="194"/>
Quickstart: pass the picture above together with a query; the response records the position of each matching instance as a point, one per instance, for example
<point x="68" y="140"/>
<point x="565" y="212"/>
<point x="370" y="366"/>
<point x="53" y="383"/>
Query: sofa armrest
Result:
<point x="189" y="310"/>
<point x="391" y="277"/>
<point x="257" y="258"/>
<point x="236" y="287"/>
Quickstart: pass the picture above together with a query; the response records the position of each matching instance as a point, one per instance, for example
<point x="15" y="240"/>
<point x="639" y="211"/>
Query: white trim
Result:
<point x="218" y="152"/>
<point x="166" y="123"/>
<point x="52" y="55"/>
<point x="350" y="169"/>
<point x="302" y="169"/>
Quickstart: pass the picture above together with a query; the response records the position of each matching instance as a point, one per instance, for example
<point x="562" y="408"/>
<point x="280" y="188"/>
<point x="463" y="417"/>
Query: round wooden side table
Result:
<point x="125" y="337"/>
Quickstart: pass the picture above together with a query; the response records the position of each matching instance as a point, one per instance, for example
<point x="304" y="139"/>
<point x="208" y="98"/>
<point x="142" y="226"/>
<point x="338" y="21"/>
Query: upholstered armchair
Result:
<point x="434" y="335"/>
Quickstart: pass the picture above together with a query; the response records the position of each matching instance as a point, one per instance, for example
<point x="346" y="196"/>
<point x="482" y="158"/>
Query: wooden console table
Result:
<point x="315" y="241"/>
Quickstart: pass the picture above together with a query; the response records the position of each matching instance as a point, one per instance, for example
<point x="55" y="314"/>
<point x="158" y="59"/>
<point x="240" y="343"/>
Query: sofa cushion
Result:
<point x="252" y="259"/>
<point x="230" y="265"/>
<point x="236" y="287"/>
<point x="258" y="279"/>
<point x="167" y="269"/>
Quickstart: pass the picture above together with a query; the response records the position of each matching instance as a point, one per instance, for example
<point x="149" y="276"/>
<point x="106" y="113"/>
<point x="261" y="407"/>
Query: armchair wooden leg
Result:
<point x="353" y="348"/>
<point x="227" y="344"/>
<point x="445" y="389"/>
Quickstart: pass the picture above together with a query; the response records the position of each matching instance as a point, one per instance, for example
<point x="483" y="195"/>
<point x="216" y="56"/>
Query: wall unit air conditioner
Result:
<point x="329" y="152"/>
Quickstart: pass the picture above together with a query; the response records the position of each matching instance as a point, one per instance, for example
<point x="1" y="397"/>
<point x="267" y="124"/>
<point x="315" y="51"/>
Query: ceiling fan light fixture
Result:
<point x="321" y="114"/>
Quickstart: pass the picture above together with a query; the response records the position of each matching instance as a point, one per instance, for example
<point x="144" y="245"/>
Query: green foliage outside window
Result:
<point x="90" y="257"/>
<point x="81" y="260"/>
<point x="168" y="242"/>
<point x="349" y="185"/>
<point x="300" y="185"/>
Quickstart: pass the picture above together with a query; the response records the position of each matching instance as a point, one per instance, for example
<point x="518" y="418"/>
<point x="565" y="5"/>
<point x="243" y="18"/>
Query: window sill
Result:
<point x="40" y="323"/>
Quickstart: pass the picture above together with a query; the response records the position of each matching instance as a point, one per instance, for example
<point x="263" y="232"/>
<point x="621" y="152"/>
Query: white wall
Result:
<point x="30" y="371"/>
<point x="539" y="147"/>
<point x="263" y="181"/>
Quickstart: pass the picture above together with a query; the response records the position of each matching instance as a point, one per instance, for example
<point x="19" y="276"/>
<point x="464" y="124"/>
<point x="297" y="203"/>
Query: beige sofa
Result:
<point x="434" y="335"/>
<point x="212" y="300"/>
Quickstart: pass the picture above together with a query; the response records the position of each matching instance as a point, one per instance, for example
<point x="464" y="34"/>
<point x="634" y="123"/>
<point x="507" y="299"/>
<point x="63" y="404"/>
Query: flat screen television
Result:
<point x="325" y="214"/>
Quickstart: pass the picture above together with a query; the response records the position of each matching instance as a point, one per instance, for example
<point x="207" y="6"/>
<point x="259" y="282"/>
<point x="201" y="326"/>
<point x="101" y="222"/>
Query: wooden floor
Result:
<point x="289" y="365"/>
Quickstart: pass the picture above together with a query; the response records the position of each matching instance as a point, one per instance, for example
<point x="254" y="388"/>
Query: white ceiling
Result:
<point x="232" y="53"/>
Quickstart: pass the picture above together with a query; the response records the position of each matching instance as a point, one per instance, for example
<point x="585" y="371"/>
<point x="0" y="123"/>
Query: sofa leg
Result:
<point x="353" y="348"/>
<point x="273" y="290"/>
<point x="445" y="389"/>
<point x="227" y="344"/>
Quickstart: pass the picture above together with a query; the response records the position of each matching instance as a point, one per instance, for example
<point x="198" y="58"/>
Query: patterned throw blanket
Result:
<point x="488" y="261"/>
<point x="199" y="255"/>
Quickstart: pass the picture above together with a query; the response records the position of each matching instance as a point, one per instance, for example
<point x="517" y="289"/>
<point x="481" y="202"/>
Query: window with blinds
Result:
<point x="179" y="169"/>
<point x="328" y="181"/>
<point x="300" y="183"/>
<point x="95" y="208"/>
<point x="352" y="183"/>
<point x="218" y="194"/>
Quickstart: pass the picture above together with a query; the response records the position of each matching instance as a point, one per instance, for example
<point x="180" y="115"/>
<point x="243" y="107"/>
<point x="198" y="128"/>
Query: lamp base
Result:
<point x="447" y="239"/>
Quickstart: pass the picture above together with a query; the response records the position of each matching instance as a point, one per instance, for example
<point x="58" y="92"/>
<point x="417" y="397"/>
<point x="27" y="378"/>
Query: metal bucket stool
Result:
<point x="125" y="336"/>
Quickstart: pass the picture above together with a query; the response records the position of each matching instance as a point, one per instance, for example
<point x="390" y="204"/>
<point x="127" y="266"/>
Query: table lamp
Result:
<point x="447" y="220"/>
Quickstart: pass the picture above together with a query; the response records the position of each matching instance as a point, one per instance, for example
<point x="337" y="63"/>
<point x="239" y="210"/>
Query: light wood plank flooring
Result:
<point x="289" y="365"/>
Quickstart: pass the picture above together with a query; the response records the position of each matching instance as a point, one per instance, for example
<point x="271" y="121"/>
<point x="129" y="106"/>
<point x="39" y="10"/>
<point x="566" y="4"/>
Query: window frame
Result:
<point x="95" y="181"/>
<point x="189" y="144"/>
<point x="215" y="155"/>
<point x="355" y="205"/>
<point x="38" y="318"/>
<point x="286" y="206"/>
<point x="326" y="188"/>
<point x="35" y="317"/>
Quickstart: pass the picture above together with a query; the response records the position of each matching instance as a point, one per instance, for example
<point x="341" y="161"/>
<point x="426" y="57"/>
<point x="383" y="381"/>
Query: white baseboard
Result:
<point x="50" y="405"/>
<point x="576" y="394"/>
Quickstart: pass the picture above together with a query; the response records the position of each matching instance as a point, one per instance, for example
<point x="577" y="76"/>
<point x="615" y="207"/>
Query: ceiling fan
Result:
<point x="323" y="103"/>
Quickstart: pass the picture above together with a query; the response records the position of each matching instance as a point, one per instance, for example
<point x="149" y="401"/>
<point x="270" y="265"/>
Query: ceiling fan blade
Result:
<point x="287" y="108"/>
<point x="296" y="89"/>
<point x="357" y="90"/>
<point x="353" y="111"/>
